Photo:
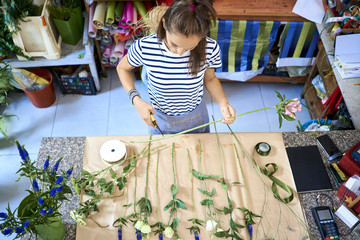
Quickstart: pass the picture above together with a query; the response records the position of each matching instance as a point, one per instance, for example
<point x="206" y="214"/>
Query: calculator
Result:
<point x="326" y="223"/>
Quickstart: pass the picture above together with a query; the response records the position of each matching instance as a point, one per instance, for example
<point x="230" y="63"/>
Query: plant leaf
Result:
<point x="206" y="202"/>
<point x="174" y="189"/>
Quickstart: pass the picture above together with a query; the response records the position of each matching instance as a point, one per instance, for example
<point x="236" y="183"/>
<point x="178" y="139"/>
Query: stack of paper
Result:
<point x="347" y="55"/>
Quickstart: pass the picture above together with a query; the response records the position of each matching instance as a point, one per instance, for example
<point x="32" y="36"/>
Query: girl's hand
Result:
<point x="144" y="110"/>
<point x="228" y="111"/>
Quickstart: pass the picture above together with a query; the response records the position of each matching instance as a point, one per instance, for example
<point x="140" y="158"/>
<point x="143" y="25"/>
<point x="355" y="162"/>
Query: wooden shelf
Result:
<point x="322" y="68"/>
<point x="69" y="56"/>
<point x="265" y="10"/>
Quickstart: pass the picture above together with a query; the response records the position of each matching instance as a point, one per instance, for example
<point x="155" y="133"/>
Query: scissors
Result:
<point x="155" y="123"/>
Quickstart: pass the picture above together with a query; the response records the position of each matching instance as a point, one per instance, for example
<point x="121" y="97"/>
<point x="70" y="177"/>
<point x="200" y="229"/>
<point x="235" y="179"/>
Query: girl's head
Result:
<point x="184" y="26"/>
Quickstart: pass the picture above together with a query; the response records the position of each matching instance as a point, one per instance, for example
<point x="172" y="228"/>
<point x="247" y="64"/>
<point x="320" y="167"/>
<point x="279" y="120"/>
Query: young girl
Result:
<point x="179" y="60"/>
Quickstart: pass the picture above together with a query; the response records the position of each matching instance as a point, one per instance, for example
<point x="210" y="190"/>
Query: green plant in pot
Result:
<point x="68" y="19"/>
<point x="37" y="214"/>
<point x="10" y="17"/>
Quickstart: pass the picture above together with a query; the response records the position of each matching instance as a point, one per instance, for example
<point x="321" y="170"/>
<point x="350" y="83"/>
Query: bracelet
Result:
<point x="133" y="93"/>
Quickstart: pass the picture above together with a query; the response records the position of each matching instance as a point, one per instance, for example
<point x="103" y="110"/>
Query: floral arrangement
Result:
<point x="39" y="209"/>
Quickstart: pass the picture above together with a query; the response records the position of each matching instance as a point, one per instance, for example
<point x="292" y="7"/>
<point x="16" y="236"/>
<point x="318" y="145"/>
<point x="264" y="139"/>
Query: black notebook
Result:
<point x="308" y="169"/>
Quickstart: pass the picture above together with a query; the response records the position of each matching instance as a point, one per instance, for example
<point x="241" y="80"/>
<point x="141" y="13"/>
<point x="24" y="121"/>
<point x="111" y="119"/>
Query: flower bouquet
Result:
<point x="37" y="214"/>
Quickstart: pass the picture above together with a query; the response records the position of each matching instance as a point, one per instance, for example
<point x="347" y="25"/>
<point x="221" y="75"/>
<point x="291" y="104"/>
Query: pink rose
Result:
<point x="292" y="107"/>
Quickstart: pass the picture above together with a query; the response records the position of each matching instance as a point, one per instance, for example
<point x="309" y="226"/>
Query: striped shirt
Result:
<point x="171" y="89"/>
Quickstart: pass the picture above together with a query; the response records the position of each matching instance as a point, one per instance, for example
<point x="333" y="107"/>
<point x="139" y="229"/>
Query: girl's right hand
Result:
<point x="144" y="110"/>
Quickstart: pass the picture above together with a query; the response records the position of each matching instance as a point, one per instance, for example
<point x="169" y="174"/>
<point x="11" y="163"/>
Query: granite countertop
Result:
<point x="72" y="150"/>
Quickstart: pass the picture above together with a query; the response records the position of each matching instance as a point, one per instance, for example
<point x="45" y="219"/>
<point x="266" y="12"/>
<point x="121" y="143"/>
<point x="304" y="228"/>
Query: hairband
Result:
<point x="192" y="5"/>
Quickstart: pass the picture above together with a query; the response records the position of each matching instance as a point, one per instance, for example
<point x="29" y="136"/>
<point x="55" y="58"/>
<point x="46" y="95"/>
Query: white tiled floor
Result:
<point x="110" y="113"/>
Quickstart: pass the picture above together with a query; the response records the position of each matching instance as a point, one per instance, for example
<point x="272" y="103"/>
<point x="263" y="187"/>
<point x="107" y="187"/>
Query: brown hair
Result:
<point x="189" y="17"/>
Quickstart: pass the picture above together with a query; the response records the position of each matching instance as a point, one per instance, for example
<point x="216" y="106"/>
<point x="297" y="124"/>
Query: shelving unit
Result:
<point x="70" y="55"/>
<point x="322" y="68"/>
<point x="349" y="87"/>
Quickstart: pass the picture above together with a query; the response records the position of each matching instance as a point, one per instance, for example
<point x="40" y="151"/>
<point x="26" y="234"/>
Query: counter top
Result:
<point x="72" y="150"/>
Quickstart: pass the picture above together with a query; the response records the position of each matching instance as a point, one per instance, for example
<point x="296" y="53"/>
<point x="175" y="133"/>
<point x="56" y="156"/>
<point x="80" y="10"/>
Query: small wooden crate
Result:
<point x="38" y="36"/>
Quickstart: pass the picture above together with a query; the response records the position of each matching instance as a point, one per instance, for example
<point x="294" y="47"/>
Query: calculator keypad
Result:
<point x="330" y="230"/>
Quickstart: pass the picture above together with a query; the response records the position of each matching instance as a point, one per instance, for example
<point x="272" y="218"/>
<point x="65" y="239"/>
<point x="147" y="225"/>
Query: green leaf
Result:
<point x="89" y="192"/>
<point x="174" y="189"/>
<point x="175" y="224"/>
<point x="180" y="204"/>
<point x="280" y="120"/>
<point x="85" y="173"/>
<point x="112" y="173"/>
<point x="102" y="182"/>
<point x="210" y="194"/>
<point x="206" y="202"/>
<point x="197" y="174"/>
<point x="234" y="183"/>
<point x="288" y="118"/>
<point x="210" y="176"/>
<point x="169" y="205"/>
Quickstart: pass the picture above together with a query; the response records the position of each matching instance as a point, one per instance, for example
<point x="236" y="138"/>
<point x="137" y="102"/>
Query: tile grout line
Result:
<point x="266" y="114"/>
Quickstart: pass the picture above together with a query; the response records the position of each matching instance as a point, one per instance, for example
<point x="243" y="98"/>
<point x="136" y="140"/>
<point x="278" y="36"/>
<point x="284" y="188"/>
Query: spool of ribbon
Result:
<point x="110" y="13"/>
<point x="262" y="148"/>
<point x="99" y="15"/>
<point x="113" y="152"/>
<point x="92" y="30"/>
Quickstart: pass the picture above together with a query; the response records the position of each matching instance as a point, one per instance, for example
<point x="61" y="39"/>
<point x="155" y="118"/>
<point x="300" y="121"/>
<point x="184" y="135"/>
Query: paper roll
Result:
<point x="129" y="13"/>
<point x="106" y="40"/>
<point x="92" y="30"/>
<point x="104" y="61"/>
<point x="110" y="13"/>
<point x="113" y="57"/>
<point x="119" y="11"/>
<point x="113" y="152"/>
<point x="135" y="14"/>
<point x="119" y="49"/>
<point x="140" y="7"/>
<point x="99" y="15"/>
<point x="128" y="43"/>
<point x="107" y="51"/>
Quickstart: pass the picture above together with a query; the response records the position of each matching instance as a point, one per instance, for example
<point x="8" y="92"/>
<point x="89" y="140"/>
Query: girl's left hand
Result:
<point x="228" y="112"/>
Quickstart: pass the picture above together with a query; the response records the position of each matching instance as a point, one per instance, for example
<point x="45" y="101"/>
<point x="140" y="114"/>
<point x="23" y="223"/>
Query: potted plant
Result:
<point x="37" y="214"/>
<point x="9" y="17"/>
<point x="68" y="19"/>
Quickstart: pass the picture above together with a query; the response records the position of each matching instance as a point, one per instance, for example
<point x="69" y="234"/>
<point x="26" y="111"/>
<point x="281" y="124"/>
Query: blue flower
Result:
<point x="46" y="164"/>
<point x="250" y="229"/>
<point x="21" y="152"/>
<point x="120" y="233"/>
<point x="161" y="236"/>
<point x="53" y="191"/>
<point x="7" y="231"/>
<point x="59" y="179"/>
<point x="35" y="185"/>
<point x="43" y="211"/>
<point x="19" y="230"/>
<point x="59" y="189"/>
<point x="138" y="235"/>
<point x="196" y="234"/>
<point x="50" y="211"/>
<point x="56" y="166"/>
<point x="41" y="201"/>
<point x="3" y="215"/>
<point x="26" y="224"/>
<point x="69" y="172"/>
